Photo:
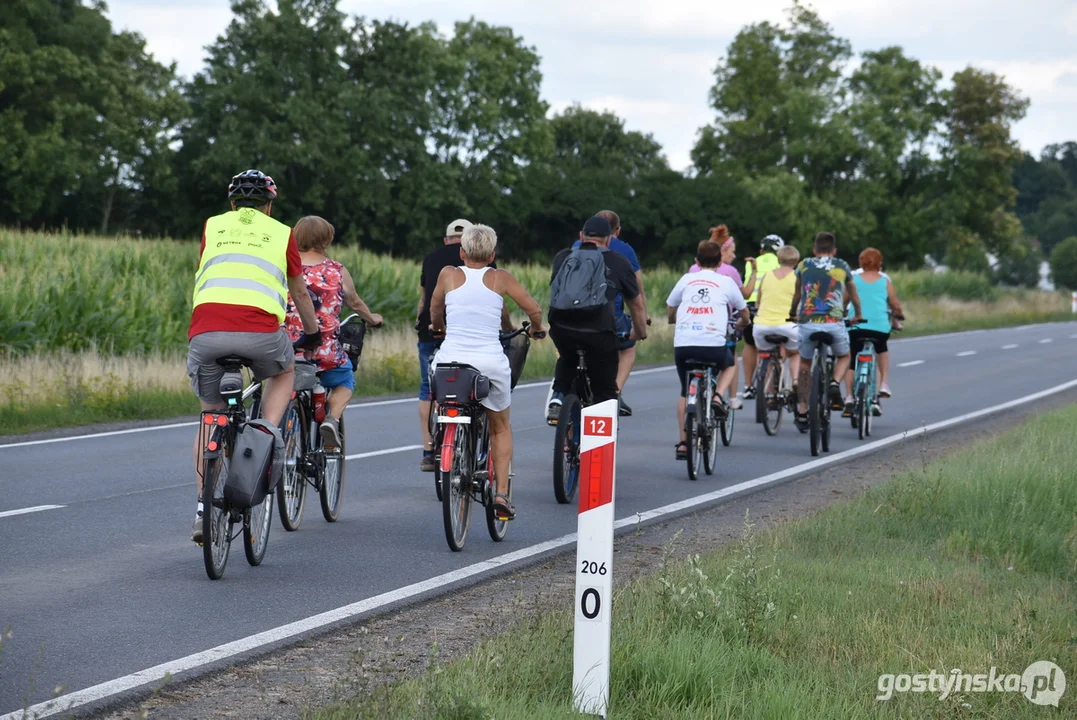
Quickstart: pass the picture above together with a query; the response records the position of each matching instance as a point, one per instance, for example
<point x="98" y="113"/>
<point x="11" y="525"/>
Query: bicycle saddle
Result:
<point x="233" y="361"/>
<point x="823" y="337"/>
<point x="776" y="339"/>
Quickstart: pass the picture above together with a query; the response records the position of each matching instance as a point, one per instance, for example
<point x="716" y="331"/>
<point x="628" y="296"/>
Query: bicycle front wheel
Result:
<point x="497" y="527"/>
<point x="332" y="485"/>
<point x="760" y="389"/>
<point x="772" y="394"/>
<point x="256" y="524"/>
<point x="726" y="426"/>
<point x="216" y="518"/>
<point x="456" y="489"/>
<point x="691" y="433"/>
<point x="816" y="398"/>
<point x="432" y="425"/>
<point x="293" y="487"/>
<point x="566" y="450"/>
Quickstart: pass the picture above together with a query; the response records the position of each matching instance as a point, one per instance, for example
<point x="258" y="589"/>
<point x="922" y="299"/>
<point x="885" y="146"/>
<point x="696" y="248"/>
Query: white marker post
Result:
<point x="594" y="560"/>
<point x="1073" y="302"/>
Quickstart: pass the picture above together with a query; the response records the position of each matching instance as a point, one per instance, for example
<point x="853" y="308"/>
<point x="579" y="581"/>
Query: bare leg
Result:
<point x="751" y="356"/>
<point x="725" y="379"/>
<point x="338" y="400"/>
<point x="884" y="367"/>
<point x="276" y="396"/>
<point x="501" y="447"/>
<point x="841" y="364"/>
<point x="804" y="384"/>
<point x="424" y="416"/>
<point x="625" y="360"/>
<point x="849" y="382"/>
<point x="681" y="405"/>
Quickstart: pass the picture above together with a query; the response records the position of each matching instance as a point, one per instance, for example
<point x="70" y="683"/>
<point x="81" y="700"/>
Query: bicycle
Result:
<point x="566" y="441"/>
<point x="865" y="391"/>
<point x="701" y="425"/>
<point x="464" y="460"/>
<point x="819" y="404"/>
<point x="218" y="514"/>
<point x="774" y="385"/>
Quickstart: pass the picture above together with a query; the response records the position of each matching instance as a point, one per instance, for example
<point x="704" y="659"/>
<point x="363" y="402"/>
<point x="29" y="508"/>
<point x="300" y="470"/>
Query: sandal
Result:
<point x="503" y="507"/>
<point x="682" y="451"/>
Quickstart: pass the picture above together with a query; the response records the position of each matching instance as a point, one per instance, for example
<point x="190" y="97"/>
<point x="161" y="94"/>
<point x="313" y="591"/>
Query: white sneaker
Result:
<point x="736" y="403"/>
<point x="330" y="431"/>
<point x="884" y="390"/>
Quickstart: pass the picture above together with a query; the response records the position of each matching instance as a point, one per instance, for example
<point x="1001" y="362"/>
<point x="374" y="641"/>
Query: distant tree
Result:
<point x="1064" y="264"/>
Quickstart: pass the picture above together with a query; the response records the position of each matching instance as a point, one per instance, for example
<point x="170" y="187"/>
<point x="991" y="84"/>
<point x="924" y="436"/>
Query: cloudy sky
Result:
<point x="651" y="61"/>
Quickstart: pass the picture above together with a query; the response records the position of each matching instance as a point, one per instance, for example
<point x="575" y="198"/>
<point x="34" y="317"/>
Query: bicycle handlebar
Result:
<point x="524" y="328"/>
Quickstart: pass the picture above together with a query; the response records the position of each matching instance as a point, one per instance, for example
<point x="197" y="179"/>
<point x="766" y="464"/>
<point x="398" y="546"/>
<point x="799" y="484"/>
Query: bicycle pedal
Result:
<point x="480" y="476"/>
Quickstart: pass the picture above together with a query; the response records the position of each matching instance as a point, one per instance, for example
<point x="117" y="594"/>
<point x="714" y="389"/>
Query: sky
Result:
<point x="652" y="61"/>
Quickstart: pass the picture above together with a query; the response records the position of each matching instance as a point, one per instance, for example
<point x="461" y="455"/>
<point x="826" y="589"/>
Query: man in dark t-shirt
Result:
<point x="594" y="332"/>
<point x="433" y="263"/>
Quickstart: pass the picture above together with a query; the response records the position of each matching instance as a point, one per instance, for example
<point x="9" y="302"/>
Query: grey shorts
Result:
<point x="270" y="355"/>
<point x="840" y="344"/>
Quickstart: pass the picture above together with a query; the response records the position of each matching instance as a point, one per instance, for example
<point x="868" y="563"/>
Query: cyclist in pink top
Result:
<point x="720" y="236"/>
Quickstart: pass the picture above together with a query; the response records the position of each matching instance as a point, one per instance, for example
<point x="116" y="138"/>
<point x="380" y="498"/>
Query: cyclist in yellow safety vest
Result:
<point x="767" y="261"/>
<point x="249" y="263"/>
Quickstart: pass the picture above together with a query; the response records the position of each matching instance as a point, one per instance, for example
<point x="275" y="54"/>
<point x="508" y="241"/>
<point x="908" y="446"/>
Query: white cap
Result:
<point x="457" y="227"/>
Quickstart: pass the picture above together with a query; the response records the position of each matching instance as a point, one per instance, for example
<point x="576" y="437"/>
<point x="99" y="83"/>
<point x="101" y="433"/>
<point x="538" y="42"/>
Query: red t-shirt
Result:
<point x="221" y="317"/>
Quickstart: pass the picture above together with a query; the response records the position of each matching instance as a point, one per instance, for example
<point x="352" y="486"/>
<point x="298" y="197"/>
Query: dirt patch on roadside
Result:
<point x="401" y="643"/>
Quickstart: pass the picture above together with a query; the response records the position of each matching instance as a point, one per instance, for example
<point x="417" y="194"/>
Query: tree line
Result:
<point x="388" y="129"/>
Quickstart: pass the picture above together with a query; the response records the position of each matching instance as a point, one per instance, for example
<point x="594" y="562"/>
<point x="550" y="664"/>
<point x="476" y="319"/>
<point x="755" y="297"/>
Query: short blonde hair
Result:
<point x="788" y="256"/>
<point x="313" y="233"/>
<point x="478" y="242"/>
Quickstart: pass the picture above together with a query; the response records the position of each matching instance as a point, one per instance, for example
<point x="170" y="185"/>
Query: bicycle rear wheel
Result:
<point x="216" y="518"/>
<point x="331" y="488"/>
<point x="772" y="393"/>
<point x="566" y="450"/>
<point x="760" y="388"/>
<point x="256" y="524"/>
<point x="456" y="490"/>
<point x="708" y="433"/>
<point x="691" y="433"/>
<point x="816" y="397"/>
<point x="292" y="497"/>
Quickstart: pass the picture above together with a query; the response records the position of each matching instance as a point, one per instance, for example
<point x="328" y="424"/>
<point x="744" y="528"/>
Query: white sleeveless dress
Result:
<point x="472" y="327"/>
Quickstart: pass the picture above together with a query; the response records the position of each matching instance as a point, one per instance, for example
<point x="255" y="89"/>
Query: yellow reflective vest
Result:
<point x="763" y="265"/>
<point x="245" y="262"/>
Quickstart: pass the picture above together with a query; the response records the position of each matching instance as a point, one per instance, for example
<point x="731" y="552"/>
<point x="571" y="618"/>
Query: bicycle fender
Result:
<point x="448" y="442"/>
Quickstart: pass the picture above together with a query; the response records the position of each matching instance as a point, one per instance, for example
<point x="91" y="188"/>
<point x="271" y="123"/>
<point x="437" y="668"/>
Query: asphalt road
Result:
<point x="108" y="583"/>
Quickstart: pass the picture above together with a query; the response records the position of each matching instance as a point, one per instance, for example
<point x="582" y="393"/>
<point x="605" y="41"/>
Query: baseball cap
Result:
<point x="597" y="227"/>
<point x="457" y="227"/>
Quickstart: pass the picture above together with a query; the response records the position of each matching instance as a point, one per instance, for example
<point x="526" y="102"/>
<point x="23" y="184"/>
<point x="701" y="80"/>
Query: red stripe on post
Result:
<point x="596" y="477"/>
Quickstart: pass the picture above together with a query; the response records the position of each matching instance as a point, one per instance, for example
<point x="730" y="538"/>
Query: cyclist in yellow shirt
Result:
<point x="765" y="263"/>
<point x="776" y="291"/>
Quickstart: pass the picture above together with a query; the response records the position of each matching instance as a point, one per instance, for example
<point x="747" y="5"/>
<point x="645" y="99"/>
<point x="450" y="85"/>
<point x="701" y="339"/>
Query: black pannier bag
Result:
<point x="351" y="336"/>
<point x="248" y="472"/>
<point x="459" y="383"/>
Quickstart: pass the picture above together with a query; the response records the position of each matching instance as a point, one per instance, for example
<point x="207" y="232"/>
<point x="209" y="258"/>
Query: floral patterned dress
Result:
<point x="326" y="289"/>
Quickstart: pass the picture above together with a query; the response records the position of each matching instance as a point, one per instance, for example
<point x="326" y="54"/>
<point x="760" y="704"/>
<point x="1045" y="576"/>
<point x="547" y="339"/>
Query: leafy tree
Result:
<point x="1064" y="264"/>
<point x="1020" y="264"/>
<point x="85" y="117"/>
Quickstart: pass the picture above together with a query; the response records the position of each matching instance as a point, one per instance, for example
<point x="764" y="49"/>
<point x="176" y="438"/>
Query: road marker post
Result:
<point x="1073" y="302"/>
<point x="594" y="559"/>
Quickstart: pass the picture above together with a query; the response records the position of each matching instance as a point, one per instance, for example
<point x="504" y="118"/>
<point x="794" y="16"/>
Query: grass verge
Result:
<point x="966" y="563"/>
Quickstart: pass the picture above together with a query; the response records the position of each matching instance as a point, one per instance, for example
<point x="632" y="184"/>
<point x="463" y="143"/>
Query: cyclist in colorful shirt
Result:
<point x="824" y="286"/>
<point x="330" y="286"/>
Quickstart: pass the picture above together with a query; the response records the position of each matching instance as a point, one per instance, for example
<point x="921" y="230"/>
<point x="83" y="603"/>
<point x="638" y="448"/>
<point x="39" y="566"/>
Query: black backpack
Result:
<point x="580" y="283"/>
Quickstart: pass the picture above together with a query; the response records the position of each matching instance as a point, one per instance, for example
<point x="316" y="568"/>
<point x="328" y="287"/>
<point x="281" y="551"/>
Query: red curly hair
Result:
<point x="720" y="235"/>
<point x="871" y="260"/>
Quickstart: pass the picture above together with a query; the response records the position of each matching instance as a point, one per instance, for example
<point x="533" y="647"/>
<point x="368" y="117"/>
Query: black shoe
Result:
<point x="837" y="402"/>
<point x="849" y="408"/>
<point x="876" y="409"/>
<point x="800" y="421"/>
<point x="749" y="392"/>
<point x="428" y="464"/>
<point x="623" y="406"/>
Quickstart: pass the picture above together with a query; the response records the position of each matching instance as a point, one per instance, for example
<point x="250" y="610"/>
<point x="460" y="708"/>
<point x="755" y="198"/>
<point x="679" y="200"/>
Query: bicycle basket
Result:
<point x="306" y="376"/>
<point x="459" y="383"/>
<point x="351" y="336"/>
<point x="516" y="350"/>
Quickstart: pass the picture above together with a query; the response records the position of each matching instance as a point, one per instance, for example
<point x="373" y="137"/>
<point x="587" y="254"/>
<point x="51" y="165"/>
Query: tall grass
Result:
<point x="968" y="563"/>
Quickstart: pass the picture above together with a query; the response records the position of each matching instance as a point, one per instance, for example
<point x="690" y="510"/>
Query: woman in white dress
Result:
<point x="466" y="306"/>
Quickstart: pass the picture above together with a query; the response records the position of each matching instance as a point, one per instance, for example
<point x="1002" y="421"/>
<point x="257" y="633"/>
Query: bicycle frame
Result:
<point x="865" y="370"/>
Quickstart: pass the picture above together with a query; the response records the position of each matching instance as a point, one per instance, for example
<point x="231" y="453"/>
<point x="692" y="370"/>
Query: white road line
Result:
<point x="911" y="363"/>
<point x="24" y="511"/>
<point x="966" y="353"/>
<point x="1046" y="340"/>
<point x="387" y="451"/>
<point x="1011" y="346"/>
<point x="228" y="650"/>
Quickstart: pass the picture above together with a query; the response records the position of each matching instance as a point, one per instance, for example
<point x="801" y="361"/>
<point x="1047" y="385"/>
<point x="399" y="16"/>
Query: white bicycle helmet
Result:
<point x="772" y="242"/>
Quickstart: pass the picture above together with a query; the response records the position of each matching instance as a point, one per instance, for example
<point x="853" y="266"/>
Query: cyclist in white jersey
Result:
<point x="699" y="306"/>
<point x="466" y="306"/>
